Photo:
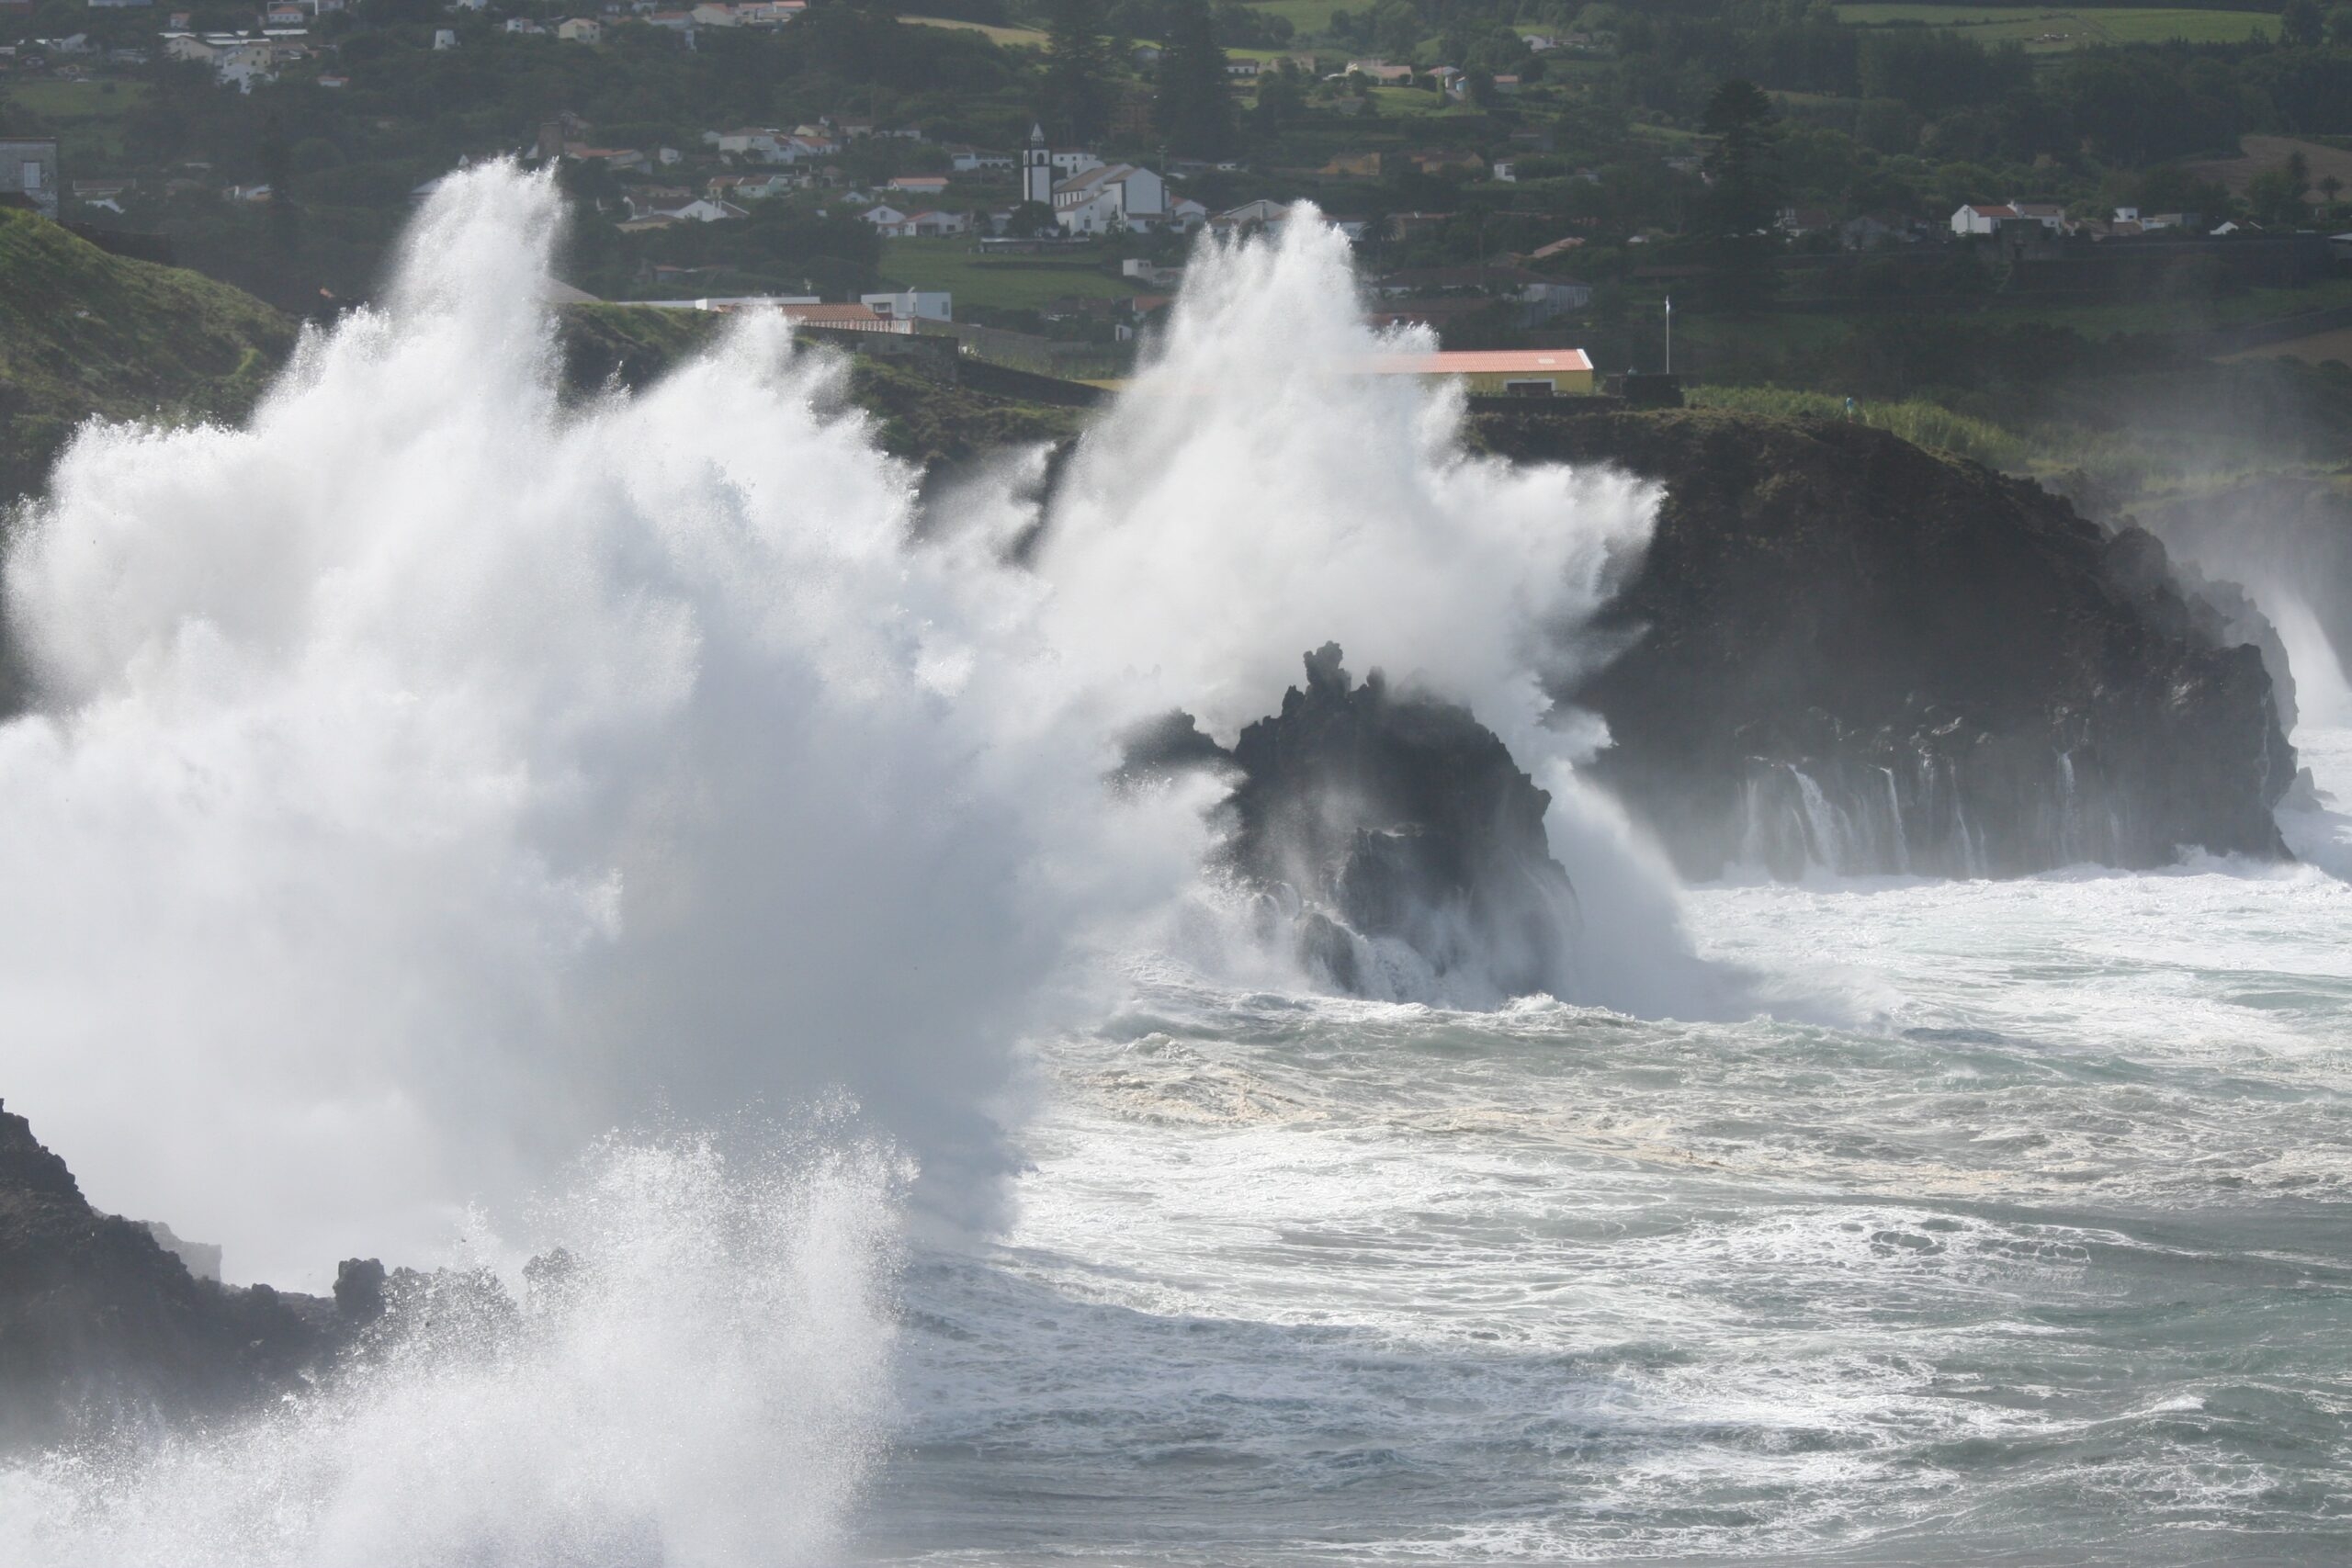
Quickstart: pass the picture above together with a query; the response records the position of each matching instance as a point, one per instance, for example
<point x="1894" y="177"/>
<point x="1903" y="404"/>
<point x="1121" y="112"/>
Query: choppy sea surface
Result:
<point x="2019" y="1229"/>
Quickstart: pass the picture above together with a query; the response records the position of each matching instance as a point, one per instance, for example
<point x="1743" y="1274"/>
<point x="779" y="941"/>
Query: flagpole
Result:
<point x="1670" y="334"/>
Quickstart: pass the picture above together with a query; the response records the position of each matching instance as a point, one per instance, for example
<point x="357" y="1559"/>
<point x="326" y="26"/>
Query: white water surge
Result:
<point x="428" y="776"/>
<point x="433" y="776"/>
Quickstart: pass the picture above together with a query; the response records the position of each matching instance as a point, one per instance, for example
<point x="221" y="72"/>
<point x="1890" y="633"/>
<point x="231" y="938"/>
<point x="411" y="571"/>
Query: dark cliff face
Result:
<point x="101" y="1327"/>
<point x="1379" y="823"/>
<point x="99" y="1324"/>
<point x="1846" y="651"/>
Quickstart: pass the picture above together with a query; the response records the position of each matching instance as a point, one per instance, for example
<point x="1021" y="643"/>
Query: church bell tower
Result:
<point x="1037" y="169"/>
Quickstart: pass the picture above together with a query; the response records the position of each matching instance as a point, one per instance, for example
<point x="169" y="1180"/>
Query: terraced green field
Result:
<point x="1009" y="283"/>
<point x="2051" y="29"/>
<point x="89" y="116"/>
<point x="998" y="35"/>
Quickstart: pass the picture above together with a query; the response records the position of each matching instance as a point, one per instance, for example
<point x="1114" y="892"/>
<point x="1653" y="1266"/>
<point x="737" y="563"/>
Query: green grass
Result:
<point x="2254" y="306"/>
<point x="1030" y="36"/>
<point x="2031" y="25"/>
<point x="87" y="115"/>
<point x="1308" y="17"/>
<point x="83" y="332"/>
<point x="1412" y="103"/>
<point x="1004" y="283"/>
<point x="1921" y="422"/>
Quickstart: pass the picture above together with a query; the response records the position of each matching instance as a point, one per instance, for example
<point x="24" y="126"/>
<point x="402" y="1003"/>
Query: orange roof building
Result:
<point x="1499" y="372"/>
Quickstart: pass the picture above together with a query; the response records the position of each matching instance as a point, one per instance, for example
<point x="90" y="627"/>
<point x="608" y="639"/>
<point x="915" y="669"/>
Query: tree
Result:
<point x="2276" y="196"/>
<point x="1282" y="98"/>
<point x="1193" y="107"/>
<point x="1745" y="197"/>
<point x="1078" y="71"/>
<point x="2339" y="27"/>
<point x="2299" y="25"/>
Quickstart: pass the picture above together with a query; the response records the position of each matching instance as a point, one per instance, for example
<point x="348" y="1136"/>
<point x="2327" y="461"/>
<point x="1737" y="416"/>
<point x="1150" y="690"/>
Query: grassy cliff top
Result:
<point x="85" y="332"/>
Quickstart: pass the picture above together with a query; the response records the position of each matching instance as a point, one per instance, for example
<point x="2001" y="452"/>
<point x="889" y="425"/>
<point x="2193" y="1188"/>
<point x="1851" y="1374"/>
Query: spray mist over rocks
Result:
<point x="429" y="776"/>
<point x="700" y="1378"/>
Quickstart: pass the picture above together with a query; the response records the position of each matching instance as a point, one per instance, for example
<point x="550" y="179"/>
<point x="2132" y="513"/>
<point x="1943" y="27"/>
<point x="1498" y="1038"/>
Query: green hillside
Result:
<point x="83" y="332"/>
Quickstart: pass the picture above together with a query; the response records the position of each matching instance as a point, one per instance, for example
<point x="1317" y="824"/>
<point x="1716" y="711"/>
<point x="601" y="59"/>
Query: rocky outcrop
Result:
<point x="100" y="1325"/>
<point x="1844" y="651"/>
<point x="98" y="1319"/>
<point x="1393" y="835"/>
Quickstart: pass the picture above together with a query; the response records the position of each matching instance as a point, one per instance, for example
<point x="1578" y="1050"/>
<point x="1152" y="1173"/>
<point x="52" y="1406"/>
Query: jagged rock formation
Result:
<point x="99" y="1322"/>
<point x="1379" y="824"/>
<point x="1845" y="651"/>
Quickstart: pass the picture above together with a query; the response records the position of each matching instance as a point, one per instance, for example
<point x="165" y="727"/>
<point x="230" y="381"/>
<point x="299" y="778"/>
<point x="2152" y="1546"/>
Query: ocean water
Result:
<point x="463" y="822"/>
<point x="2021" y="1231"/>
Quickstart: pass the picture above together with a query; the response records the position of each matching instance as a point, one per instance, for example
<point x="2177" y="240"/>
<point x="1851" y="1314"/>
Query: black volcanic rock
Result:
<point x="1370" y="816"/>
<point x="99" y="1324"/>
<point x="1845" y="650"/>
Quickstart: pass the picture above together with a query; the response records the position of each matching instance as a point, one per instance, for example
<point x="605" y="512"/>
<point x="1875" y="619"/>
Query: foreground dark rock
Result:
<point x="1379" y="823"/>
<point x="103" y="1329"/>
<point x="1843" y="650"/>
<point x="99" y="1324"/>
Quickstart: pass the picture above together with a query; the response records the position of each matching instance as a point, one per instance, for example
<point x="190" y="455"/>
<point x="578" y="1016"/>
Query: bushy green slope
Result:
<point x="83" y="332"/>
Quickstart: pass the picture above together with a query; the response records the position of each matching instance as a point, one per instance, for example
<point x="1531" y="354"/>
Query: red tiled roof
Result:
<point x="1479" y="361"/>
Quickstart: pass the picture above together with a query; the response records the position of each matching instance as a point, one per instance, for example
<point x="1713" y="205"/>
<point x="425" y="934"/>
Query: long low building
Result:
<point x="1499" y="372"/>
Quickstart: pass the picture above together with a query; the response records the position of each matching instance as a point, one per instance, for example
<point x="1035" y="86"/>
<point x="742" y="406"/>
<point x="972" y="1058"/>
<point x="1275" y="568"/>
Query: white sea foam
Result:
<point x="705" y="1385"/>
<point x="429" y="775"/>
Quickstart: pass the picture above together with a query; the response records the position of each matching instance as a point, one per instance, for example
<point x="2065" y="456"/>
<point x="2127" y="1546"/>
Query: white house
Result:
<point x="445" y="38"/>
<point x="1114" y="196"/>
<point x="1978" y="220"/>
<point x="971" y="160"/>
<point x="702" y="210"/>
<point x="888" y="222"/>
<point x="579" y="29"/>
<point x="1269" y="216"/>
<point x="912" y="305"/>
<point x="931" y="225"/>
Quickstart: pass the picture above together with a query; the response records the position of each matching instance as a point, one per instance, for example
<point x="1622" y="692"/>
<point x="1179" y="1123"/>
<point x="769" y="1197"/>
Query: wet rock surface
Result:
<point x="1844" y="651"/>
<point x="1374" y="821"/>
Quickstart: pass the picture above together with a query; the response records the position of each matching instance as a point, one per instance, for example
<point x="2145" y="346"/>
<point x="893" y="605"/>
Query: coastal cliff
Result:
<point x="1844" y="651"/>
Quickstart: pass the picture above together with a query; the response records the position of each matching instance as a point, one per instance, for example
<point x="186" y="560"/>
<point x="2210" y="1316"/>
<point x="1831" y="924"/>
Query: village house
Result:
<point x="1380" y="70"/>
<point x="28" y="171"/>
<point x="1981" y="218"/>
<point x="912" y="305"/>
<point x="921" y="184"/>
<point x="1488" y="373"/>
<point x="966" y="160"/>
<point x="579" y="29"/>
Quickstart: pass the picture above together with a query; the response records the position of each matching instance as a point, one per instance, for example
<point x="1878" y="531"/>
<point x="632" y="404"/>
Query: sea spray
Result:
<point x="698" y="1379"/>
<point x="429" y="775"/>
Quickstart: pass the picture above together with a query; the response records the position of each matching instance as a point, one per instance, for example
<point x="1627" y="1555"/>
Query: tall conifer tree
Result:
<point x="1193" y="107"/>
<point x="1077" y="72"/>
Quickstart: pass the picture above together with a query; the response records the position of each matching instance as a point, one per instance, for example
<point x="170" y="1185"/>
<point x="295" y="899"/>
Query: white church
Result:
<point x="1090" y="197"/>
